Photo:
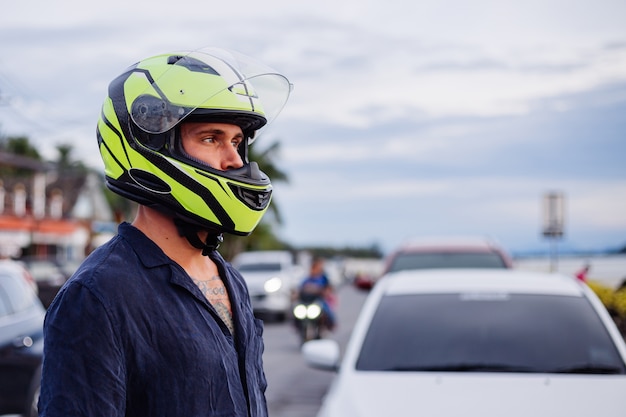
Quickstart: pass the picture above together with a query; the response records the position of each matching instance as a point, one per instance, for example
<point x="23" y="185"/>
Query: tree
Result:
<point x="19" y="145"/>
<point x="23" y="159"/>
<point x="65" y="163"/>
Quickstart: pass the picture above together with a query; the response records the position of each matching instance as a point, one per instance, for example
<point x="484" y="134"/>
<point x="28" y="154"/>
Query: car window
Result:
<point x="481" y="332"/>
<point x="259" y="267"/>
<point x="15" y="294"/>
<point x="429" y="260"/>
<point x="43" y="270"/>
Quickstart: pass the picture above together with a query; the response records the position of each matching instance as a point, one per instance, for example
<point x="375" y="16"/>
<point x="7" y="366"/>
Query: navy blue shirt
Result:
<point x="130" y="334"/>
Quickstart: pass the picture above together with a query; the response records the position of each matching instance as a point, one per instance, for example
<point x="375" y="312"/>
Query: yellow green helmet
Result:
<point x="139" y="135"/>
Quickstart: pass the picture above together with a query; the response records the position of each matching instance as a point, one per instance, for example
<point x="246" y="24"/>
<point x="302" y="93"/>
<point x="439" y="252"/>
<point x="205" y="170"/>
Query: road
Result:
<point x="294" y="389"/>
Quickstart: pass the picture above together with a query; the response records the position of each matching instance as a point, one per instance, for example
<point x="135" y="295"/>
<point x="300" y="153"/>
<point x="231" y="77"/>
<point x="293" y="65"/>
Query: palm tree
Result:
<point x="26" y="156"/>
<point x="66" y="163"/>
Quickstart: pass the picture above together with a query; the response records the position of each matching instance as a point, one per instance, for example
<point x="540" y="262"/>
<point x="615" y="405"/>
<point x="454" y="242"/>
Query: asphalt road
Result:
<point x="294" y="389"/>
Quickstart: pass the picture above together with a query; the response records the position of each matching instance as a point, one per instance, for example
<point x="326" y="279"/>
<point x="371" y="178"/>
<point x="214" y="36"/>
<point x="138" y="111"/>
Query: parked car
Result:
<point x="271" y="277"/>
<point x="21" y="343"/>
<point x="478" y="342"/>
<point x="448" y="252"/>
<point x="20" y="269"/>
<point x="48" y="275"/>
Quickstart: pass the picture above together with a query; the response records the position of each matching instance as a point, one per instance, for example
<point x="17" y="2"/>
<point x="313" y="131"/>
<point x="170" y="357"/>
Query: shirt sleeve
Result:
<point x="83" y="368"/>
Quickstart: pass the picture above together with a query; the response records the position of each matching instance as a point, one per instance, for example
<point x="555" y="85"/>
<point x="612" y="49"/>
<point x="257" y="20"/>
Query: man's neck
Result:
<point x="201" y="269"/>
<point x="161" y="229"/>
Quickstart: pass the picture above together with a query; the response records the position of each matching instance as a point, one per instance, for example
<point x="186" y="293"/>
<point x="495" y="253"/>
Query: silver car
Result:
<point x="271" y="277"/>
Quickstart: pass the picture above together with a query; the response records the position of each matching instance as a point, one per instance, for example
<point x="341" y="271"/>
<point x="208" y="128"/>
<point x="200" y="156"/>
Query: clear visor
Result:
<point x="208" y="78"/>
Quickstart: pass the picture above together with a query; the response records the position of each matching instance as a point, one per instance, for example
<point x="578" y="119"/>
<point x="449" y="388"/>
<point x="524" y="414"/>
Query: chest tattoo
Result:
<point x="215" y="292"/>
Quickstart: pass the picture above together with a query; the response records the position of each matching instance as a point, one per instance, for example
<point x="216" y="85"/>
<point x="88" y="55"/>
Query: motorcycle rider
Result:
<point x="155" y="322"/>
<point x="317" y="286"/>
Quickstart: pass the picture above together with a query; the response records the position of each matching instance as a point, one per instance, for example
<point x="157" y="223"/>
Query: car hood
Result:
<point x="365" y="394"/>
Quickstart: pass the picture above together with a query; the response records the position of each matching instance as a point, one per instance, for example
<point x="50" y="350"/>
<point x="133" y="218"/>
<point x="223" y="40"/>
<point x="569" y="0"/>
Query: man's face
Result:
<point x="215" y="144"/>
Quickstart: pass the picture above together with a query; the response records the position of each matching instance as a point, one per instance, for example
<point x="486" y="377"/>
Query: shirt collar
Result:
<point x="150" y="254"/>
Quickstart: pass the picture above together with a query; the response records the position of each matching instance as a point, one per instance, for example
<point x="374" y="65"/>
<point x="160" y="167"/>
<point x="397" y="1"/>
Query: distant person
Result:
<point x="155" y="323"/>
<point x="582" y="273"/>
<point x="318" y="285"/>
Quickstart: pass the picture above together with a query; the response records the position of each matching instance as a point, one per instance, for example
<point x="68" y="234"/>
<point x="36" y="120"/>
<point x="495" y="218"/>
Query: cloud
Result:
<point x="406" y="118"/>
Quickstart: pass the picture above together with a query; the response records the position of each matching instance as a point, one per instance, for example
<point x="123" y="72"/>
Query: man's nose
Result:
<point x="231" y="159"/>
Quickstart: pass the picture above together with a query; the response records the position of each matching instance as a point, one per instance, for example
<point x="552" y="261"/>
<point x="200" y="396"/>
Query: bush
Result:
<point x="619" y="302"/>
<point x="614" y="301"/>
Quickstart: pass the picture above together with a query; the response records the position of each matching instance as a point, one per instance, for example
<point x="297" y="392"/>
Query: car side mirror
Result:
<point x="322" y="354"/>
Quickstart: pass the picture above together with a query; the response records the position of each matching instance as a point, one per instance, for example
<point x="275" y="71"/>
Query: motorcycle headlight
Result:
<point x="272" y="285"/>
<point x="313" y="311"/>
<point x="299" y="311"/>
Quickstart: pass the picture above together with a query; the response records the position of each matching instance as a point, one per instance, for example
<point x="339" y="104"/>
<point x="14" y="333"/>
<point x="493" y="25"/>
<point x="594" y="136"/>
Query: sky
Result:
<point x="407" y="118"/>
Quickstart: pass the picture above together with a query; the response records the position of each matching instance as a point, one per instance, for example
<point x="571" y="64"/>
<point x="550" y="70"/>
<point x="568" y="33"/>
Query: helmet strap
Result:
<point x="190" y="232"/>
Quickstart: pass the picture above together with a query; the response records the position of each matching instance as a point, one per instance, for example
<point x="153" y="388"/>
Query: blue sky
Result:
<point x="440" y="117"/>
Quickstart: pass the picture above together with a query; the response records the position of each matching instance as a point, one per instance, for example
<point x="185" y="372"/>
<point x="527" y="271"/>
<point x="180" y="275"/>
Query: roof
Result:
<point x="42" y="226"/>
<point x="21" y="161"/>
<point x="474" y="242"/>
<point x="478" y="281"/>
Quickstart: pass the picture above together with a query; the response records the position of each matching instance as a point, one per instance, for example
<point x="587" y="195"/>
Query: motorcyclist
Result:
<point x="317" y="286"/>
<point x="156" y="322"/>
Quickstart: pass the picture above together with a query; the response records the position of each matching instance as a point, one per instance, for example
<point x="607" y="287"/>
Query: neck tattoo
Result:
<point x="215" y="292"/>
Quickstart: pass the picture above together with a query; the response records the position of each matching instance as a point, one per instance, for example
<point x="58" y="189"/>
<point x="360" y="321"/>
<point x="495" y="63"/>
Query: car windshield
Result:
<point x="488" y="333"/>
<point x="260" y="267"/>
<point x="429" y="260"/>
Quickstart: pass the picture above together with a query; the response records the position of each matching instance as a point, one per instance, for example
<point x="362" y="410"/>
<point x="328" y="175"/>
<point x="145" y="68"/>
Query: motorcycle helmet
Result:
<point x="139" y="136"/>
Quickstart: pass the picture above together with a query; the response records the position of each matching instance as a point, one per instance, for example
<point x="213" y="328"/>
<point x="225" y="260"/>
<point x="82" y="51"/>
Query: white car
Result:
<point x="474" y="342"/>
<point x="271" y="277"/>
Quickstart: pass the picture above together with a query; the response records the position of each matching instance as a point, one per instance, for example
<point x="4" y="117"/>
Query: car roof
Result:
<point x="449" y="242"/>
<point x="478" y="280"/>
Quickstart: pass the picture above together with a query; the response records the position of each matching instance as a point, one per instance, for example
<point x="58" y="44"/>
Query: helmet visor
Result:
<point x="209" y="79"/>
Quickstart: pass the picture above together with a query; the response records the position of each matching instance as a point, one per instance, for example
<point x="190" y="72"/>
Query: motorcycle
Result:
<point x="310" y="318"/>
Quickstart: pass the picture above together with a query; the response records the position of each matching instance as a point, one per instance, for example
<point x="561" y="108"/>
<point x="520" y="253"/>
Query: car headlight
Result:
<point x="272" y="285"/>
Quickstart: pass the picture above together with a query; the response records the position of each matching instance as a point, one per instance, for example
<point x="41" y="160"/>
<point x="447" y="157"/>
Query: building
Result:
<point x="47" y="213"/>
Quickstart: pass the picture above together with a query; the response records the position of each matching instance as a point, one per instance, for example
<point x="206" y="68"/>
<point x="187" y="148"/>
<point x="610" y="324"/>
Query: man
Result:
<point x="317" y="285"/>
<point x="155" y="322"/>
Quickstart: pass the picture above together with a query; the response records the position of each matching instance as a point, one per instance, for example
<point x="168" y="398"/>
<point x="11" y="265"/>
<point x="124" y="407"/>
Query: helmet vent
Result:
<point x="255" y="199"/>
<point x="149" y="181"/>
<point x="192" y="64"/>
